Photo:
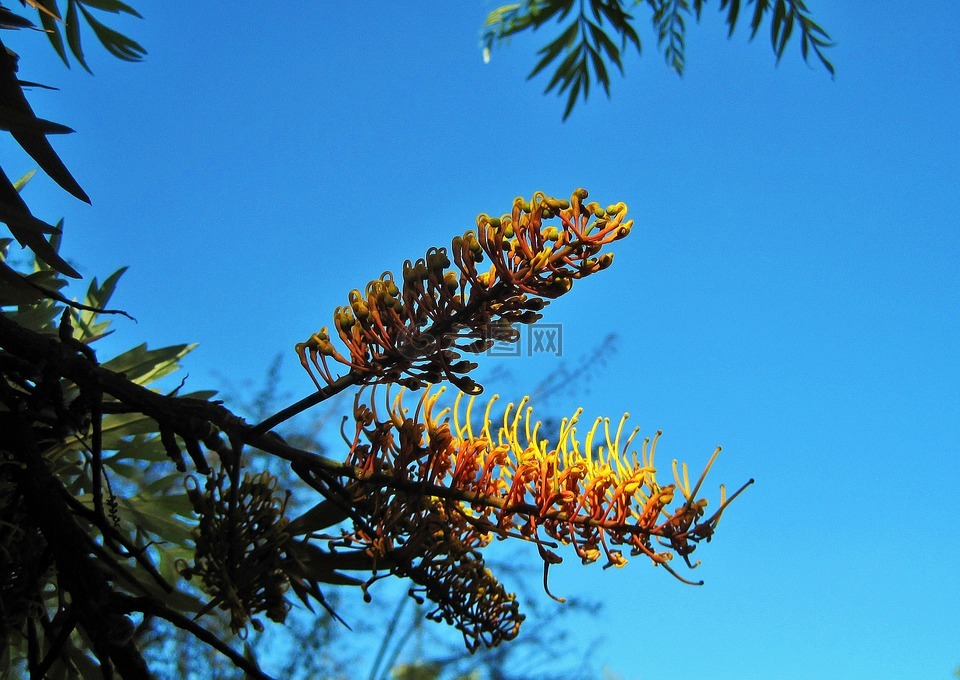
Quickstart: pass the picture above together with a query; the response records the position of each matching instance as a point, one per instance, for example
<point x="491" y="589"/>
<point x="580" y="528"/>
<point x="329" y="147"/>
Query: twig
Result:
<point x="202" y="634"/>
<point x="309" y="401"/>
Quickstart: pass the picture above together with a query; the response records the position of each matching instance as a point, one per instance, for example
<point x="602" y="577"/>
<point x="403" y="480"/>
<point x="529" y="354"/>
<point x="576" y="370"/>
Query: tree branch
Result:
<point x="185" y="623"/>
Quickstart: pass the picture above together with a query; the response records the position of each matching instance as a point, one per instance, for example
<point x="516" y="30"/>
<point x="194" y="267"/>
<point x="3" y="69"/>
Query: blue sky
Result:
<point x="790" y="290"/>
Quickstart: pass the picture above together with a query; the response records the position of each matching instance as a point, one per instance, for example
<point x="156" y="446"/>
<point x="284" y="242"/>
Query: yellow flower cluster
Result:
<point x="436" y="488"/>
<point x="596" y="493"/>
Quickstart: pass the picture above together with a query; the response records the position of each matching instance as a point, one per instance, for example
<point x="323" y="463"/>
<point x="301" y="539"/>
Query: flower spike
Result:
<point x="446" y="485"/>
<point x="413" y="330"/>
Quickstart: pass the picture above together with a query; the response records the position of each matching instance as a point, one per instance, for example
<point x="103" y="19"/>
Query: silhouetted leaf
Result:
<point x="564" y="70"/>
<point x="321" y="516"/>
<point x="758" y="11"/>
<point x="573" y="74"/>
<point x="14" y="289"/>
<point x="553" y="49"/>
<point x="603" y="42"/>
<point x="114" y="6"/>
<point x="51" y="26"/>
<point x="10" y="20"/>
<point x="72" y="27"/>
<point x="15" y="119"/>
<point x="115" y="43"/>
<point x="28" y="230"/>
<point x="600" y="69"/>
<point x="29" y="131"/>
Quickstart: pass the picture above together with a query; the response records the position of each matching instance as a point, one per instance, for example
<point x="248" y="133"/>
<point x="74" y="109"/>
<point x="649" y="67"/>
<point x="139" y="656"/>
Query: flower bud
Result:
<point x="451" y="281"/>
<point x="594" y="208"/>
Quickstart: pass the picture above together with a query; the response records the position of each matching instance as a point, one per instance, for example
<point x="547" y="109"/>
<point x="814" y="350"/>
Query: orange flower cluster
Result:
<point x="421" y="537"/>
<point x="413" y="331"/>
<point x="437" y="487"/>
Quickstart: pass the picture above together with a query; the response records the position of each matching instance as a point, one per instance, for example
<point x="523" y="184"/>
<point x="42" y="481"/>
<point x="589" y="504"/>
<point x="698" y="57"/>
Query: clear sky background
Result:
<point x="790" y="290"/>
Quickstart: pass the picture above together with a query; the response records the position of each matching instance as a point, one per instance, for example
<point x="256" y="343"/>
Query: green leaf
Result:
<point x="603" y="42"/>
<point x="101" y="296"/>
<point x="113" y="6"/>
<point x="564" y="7"/>
<point x="308" y="562"/>
<point x="761" y="8"/>
<point x="672" y="31"/>
<point x="117" y="426"/>
<point x="130" y="472"/>
<point x="28" y="230"/>
<point x="115" y="43"/>
<point x="601" y="69"/>
<point x="143" y="366"/>
<point x="779" y="12"/>
<point x="732" y="15"/>
<point x="22" y="182"/>
<point x="98" y="296"/>
<point x="565" y="70"/>
<point x="48" y="7"/>
<point x="141" y="511"/>
<point x="572" y="98"/>
<point x="785" y="34"/>
<point x="576" y="69"/>
<point x="204" y="395"/>
<point x="620" y="21"/>
<point x="553" y="49"/>
<point x="52" y="28"/>
<point x="115" y="430"/>
<point x="145" y="446"/>
<point x="498" y="16"/>
<point x="175" y="503"/>
<point x="72" y="26"/>
<point x="30" y="133"/>
<point x="24" y="222"/>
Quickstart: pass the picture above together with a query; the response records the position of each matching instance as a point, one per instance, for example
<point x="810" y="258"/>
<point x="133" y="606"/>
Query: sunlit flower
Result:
<point x="595" y="493"/>
<point x="434" y="486"/>
<point x="413" y="330"/>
